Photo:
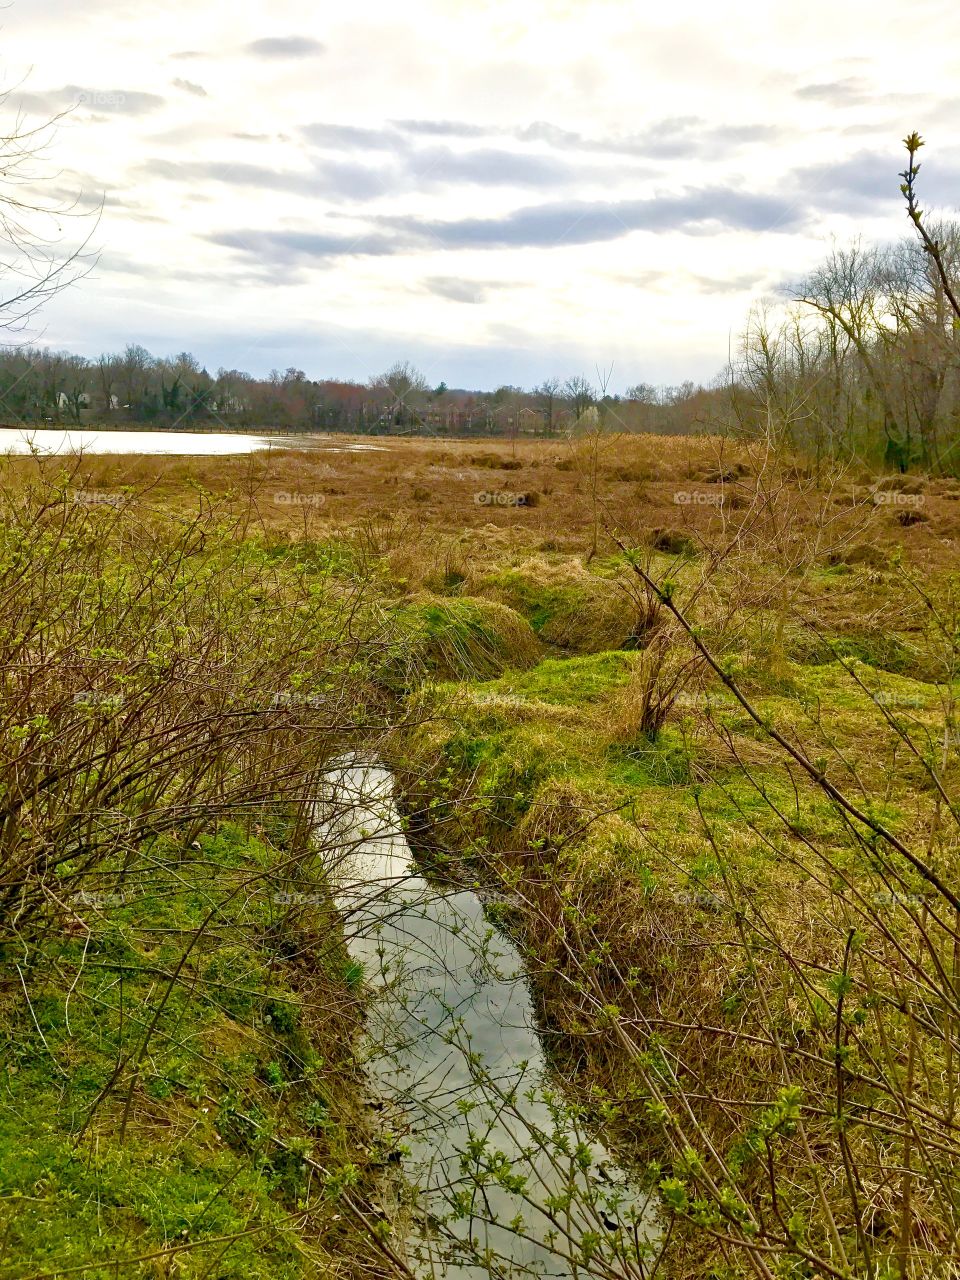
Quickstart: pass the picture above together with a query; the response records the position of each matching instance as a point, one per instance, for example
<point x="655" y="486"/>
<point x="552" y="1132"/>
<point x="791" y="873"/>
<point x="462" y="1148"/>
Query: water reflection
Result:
<point x="509" y="1184"/>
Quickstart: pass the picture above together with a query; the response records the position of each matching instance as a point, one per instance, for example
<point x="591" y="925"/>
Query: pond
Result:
<point x="50" y="440"/>
<point x="508" y="1180"/>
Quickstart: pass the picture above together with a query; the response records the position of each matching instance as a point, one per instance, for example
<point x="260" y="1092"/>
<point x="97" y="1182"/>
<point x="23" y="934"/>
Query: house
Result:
<point x="82" y="400"/>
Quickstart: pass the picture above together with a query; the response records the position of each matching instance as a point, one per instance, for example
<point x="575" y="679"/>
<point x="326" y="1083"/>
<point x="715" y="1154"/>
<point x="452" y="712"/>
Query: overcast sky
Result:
<point x="496" y="191"/>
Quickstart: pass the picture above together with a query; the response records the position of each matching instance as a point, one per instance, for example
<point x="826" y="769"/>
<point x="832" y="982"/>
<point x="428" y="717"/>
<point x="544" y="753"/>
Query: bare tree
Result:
<point x="548" y="394"/>
<point x="643" y="393"/>
<point x="107" y="375"/>
<point x="580" y="395"/>
<point x="37" y="260"/>
<point x="135" y="365"/>
<point x="402" y="388"/>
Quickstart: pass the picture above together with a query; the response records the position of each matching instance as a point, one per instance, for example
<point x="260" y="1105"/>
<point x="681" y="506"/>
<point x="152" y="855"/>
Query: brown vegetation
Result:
<point x="648" y="485"/>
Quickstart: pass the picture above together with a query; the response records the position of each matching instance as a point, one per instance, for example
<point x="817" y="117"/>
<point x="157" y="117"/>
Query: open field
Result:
<point x="697" y="484"/>
<point x="685" y="716"/>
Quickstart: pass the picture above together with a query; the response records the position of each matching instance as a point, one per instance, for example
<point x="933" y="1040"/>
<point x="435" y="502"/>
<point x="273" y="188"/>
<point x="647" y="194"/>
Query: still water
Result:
<point x="508" y="1181"/>
<point x="49" y="440"/>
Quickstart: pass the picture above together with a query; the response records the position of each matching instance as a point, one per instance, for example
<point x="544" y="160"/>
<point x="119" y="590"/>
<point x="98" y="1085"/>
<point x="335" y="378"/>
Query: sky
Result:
<point x="499" y="191"/>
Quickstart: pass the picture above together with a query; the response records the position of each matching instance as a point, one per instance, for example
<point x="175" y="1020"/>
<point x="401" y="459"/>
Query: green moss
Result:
<point x="66" y="1207"/>
<point x="569" y="682"/>
<point x="220" y="1109"/>
<point x="570" y="608"/>
<point x="536" y="744"/>
<point x="665" y="762"/>
<point x="881" y="648"/>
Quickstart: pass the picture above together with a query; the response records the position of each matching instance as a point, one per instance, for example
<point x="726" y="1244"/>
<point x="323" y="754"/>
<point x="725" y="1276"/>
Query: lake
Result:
<point x="55" y="440"/>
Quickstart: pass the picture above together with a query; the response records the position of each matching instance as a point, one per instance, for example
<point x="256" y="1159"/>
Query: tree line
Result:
<point x="134" y="387"/>
<point x="864" y="362"/>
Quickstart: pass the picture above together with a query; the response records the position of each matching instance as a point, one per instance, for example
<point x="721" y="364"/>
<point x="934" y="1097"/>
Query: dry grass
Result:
<point x="432" y="486"/>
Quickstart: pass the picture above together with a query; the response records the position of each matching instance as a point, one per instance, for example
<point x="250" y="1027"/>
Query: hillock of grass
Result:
<point x="566" y="605"/>
<point x="462" y="638"/>
<point x="684" y="901"/>
<point x="188" y="1118"/>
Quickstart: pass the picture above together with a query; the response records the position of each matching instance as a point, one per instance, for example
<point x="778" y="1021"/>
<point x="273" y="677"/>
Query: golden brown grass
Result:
<point x="432" y="487"/>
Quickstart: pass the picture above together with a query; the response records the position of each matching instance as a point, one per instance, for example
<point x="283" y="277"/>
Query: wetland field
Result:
<point x="478" y="858"/>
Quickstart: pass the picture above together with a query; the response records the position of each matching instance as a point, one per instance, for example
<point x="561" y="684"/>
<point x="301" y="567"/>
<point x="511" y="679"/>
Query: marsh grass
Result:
<point x="748" y="977"/>
<point x="176" y="1005"/>
<point x="747" y="987"/>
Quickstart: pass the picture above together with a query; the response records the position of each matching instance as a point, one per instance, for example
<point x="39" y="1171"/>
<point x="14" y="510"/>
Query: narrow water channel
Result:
<point x="508" y="1182"/>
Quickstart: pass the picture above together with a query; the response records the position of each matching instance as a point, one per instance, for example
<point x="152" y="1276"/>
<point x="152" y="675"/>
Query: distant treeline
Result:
<point x="135" y="387"/>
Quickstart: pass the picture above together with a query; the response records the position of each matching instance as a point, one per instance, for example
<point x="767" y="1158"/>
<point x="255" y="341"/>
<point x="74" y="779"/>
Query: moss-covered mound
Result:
<point x="461" y="638"/>
<point x="566" y="604"/>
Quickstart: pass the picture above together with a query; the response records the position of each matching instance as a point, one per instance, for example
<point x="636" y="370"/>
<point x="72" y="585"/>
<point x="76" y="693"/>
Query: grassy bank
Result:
<point x="178" y="1014"/>
<point x="180" y="1095"/>
<point x="745" y="964"/>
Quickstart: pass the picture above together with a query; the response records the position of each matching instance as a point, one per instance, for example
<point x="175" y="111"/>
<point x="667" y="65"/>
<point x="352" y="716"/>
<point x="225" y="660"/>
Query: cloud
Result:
<point x="456" y="289"/>
<point x="706" y="211"/>
<point x="871" y="179"/>
<point x="737" y="284"/>
<point x="285" y="47"/>
<point x="680" y="137"/>
<point x="672" y="138"/>
<point x="849" y="92"/>
<point x="117" y="264"/>
<point x="445" y="128"/>
<point x="669" y="282"/>
<point x="650" y="279"/>
<point x="437" y="165"/>
<point x="571" y="159"/>
<point x="132" y="102"/>
<point x="292" y="249"/>
<point x="341" y="178"/>
<point x="337" y="180"/>
<point x="188" y="86"/>
<point x="349" y="136"/>
<point x="546" y="226"/>
<point x="861" y="180"/>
